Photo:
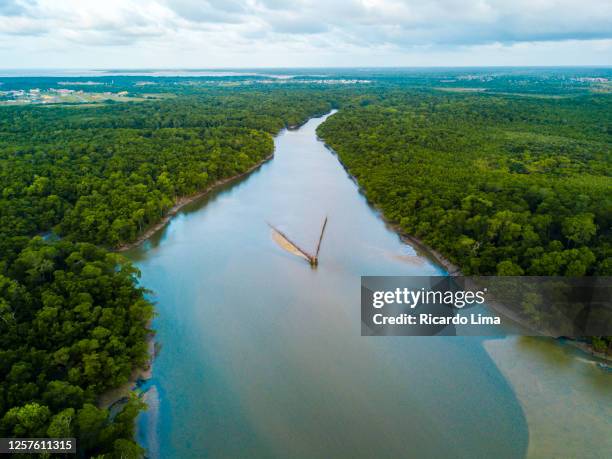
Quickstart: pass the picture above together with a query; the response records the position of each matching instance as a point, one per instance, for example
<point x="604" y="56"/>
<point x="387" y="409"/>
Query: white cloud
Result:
<point x="200" y="33"/>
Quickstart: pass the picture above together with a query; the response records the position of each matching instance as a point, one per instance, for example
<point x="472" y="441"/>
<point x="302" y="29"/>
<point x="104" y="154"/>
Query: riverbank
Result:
<point x="295" y="127"/>
<point x="183" y="201"/>
<point x="420" y="246"/>
<point x="587" y="349"/>
<point x="453" y="270"/>
<point x="144" y="373"/>
<point x="116" y="395"/>
<point x="221" y="266"/>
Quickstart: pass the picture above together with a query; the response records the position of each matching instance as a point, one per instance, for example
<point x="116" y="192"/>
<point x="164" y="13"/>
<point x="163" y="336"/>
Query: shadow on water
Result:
<point x="155" y="240"/>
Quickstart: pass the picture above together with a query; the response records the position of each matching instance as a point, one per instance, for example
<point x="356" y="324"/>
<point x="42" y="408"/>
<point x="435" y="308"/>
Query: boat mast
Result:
<point x="316" y="257"/>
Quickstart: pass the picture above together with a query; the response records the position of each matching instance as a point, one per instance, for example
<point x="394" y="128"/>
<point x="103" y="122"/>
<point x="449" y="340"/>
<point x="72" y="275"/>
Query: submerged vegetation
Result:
<point x="500" y="184"/>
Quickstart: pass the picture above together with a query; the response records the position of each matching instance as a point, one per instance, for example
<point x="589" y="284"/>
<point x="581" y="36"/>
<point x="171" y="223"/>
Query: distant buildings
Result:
<point x="592" y="80"/>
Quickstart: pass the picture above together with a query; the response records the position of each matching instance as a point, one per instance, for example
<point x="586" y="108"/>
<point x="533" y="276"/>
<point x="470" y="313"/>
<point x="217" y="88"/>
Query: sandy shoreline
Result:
<point x="432" y="254"/>
<point x="553" y="388"/>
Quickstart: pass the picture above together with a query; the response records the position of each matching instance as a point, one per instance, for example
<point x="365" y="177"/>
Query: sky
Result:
<point x="124" y="34"/>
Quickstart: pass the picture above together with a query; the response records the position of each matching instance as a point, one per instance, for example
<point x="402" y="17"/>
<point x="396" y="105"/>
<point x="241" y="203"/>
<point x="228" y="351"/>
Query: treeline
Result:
<point x="526" y="80"/>
<point x="106" y="185"/>
<point x="103" y="174"/>
<point x="499" y="185"/>
<point x="73" y="322"/>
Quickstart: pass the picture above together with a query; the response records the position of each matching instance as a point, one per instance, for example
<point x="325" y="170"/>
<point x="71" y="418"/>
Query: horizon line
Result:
<point x="106" y="69"/>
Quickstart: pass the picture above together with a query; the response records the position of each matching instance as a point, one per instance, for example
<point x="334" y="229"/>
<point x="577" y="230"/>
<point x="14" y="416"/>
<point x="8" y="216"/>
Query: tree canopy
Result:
<point x="500" y="185"/>
<point x="73" y="320"/>
<point x="507" y="183"/>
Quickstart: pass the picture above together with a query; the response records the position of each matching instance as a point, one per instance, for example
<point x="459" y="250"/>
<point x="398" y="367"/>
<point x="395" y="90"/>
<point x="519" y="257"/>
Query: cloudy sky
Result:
<point x="302" y="33"/>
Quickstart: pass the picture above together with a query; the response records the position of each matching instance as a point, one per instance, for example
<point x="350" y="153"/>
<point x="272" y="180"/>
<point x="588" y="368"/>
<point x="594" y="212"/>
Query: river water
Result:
<point x="262" y="356"/>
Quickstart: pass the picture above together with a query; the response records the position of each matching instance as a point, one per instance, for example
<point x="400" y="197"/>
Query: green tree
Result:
<point x="29" y="420"/>
<point x="579" y="228"/>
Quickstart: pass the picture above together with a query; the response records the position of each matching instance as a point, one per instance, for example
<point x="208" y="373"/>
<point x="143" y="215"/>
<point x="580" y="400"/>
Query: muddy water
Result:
<point x="262" y="356"/>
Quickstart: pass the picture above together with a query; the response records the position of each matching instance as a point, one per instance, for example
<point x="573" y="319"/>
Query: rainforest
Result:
<point x="77" y="182"/>
<point x="502" y="174"/>
<point x="501" y="185"/>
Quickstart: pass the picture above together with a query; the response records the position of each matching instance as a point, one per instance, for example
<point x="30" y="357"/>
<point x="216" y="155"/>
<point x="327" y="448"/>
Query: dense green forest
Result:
<point x="73" y="322"/>
<point x="500" y="185"/>
<point x="103" y="174"/>
<point x="72" y="325"/>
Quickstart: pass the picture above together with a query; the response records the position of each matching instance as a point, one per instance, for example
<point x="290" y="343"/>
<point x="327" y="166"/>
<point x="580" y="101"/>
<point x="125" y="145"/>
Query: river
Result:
<point x="262" y="356"/>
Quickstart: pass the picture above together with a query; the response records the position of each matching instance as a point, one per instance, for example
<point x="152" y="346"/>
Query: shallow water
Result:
<point x="566" y="398"/>
<point x="262" y="355"/>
